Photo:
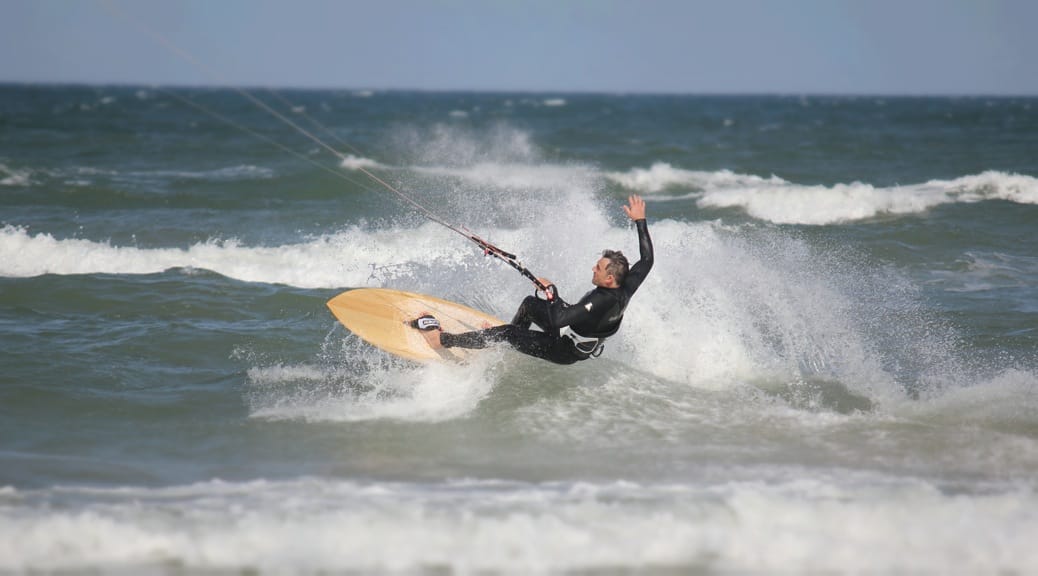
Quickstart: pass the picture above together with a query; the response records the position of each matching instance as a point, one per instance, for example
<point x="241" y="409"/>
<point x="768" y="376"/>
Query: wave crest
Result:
<point x="782" y="202"/>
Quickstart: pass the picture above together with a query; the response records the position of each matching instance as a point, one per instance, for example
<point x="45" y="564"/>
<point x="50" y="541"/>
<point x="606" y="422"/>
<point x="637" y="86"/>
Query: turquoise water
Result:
<point x="832" y="366"/>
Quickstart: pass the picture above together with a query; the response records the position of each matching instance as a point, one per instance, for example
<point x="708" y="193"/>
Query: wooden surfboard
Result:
<point x="381" y="317"/>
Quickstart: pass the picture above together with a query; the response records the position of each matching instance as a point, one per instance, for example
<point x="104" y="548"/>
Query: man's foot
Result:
<point x="429" y="326"/>
<point x="432" y="337"/>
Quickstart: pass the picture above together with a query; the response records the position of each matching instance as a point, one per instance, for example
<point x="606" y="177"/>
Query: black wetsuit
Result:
<point x="595" y="317"/>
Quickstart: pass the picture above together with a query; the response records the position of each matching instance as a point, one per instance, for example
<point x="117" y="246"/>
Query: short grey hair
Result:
<point x="617" y="266"/>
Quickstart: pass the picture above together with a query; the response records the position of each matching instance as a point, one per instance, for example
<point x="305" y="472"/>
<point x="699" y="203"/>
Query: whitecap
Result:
<point x="779" y="201"/>
<point x="352" y="162"/>
<point x="875" y="524"/>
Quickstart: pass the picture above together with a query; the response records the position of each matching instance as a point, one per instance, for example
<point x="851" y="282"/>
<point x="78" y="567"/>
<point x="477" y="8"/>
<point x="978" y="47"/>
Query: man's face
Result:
<point x="600" y="277"/>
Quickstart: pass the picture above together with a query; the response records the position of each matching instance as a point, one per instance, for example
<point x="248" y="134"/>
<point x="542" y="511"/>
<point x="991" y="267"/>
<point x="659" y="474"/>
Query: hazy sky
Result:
<point x="685" y="46"/>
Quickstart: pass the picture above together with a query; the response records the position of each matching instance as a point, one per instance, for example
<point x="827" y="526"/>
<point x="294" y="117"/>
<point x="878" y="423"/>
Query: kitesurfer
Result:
<point x="569" y="332"/>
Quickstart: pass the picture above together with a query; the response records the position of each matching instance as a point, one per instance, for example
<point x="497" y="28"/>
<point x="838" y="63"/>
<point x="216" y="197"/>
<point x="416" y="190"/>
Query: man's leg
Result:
<point x="476" y="339"/>
<point x="532" y="310"/>
<point x="529" y="342"/>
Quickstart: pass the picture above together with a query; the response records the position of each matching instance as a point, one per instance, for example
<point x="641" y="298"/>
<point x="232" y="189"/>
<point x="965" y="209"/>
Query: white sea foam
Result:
<point x="661" y="176"/>
<point x="554" y="102"/>
<point x="1008" y="400"/>
<point x="776" y="200"/>
<point x="280" y="374"/>
<point x="379" y="389"/>
<point x="501" y="159"/>
<point x="345" y="259"/>
<point x="15" y="176"/>
<point x="451" y="145"/>
<point x="869" y="525"/>
<point x="744" y="307"/>
<point x="352" y="162"/>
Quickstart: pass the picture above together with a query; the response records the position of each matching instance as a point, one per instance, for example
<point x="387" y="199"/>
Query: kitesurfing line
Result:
<point x="188" y="102"/>
<point x="301" y="110"/>
<point x="488" y="248"/>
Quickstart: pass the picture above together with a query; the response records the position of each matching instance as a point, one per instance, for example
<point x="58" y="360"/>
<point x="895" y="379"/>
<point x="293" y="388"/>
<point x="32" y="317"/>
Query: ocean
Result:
<point x="832" y="367"/>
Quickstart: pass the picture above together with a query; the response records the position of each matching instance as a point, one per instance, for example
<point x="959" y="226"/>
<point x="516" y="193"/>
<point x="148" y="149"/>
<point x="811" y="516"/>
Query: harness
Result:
<point x="593" y="347"/>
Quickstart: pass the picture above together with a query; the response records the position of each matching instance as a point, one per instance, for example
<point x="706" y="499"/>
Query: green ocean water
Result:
<point x="831" y="368"/>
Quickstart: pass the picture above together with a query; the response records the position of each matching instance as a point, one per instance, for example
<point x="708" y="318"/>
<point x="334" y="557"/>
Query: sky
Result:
<point x="895" y="47"/>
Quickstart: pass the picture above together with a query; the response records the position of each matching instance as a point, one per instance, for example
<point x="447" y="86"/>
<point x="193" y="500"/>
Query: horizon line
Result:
<point x="537" y="91"/>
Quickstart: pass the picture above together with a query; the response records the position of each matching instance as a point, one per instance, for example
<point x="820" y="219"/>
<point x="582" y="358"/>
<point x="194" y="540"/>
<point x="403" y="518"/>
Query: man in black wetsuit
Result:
<point x="571" y="332"/>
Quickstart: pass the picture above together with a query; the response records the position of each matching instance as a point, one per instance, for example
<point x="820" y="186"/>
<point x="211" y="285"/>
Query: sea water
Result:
<point x="831" y="368"/>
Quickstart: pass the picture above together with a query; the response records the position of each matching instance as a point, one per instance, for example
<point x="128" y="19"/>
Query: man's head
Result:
<point x="610" y="270"/>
